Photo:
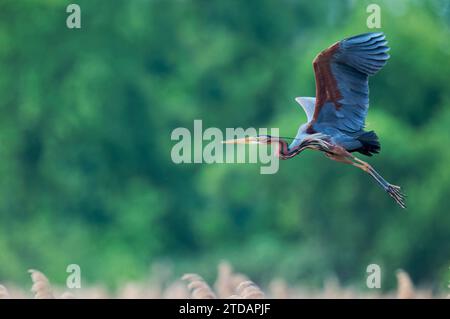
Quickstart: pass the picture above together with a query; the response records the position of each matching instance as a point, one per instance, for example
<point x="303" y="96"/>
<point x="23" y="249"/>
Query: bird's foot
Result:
<point x="395" y="192"/>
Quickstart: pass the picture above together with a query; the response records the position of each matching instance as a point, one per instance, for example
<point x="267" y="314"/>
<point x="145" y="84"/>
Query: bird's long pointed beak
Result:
<point x="245" y="140"/>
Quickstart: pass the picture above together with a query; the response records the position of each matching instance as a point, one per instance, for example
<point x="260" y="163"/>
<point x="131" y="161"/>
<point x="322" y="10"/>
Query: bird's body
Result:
<point x="336" y="115"/>
<point x="359" y="141"/>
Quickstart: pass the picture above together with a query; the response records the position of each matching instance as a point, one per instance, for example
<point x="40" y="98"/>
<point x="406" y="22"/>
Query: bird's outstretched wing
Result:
<point x="342" y="86"/>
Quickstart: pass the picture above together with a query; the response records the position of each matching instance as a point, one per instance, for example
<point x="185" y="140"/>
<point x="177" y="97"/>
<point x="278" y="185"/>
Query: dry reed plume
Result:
<point x="198" y="287"/>
<point x="4" y="293"/>
<point x="42" y="289"/>
<point x="41" y="285"/>
<point x="228" y="284"/>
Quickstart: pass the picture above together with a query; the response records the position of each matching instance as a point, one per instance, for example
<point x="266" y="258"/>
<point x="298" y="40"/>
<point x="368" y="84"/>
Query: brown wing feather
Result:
<point x="342" y="80"/>
<point x="326" y="86"/>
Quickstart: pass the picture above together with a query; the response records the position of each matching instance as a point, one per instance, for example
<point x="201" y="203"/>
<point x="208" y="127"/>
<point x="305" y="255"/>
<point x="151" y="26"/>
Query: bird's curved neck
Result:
<point x="284" y="152"/>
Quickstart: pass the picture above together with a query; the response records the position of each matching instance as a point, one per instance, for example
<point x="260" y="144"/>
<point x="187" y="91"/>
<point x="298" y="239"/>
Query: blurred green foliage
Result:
<point x="86" y="118"/>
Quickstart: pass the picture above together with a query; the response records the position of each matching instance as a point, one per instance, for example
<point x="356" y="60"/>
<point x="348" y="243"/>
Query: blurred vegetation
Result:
<point x="86" y="118"/>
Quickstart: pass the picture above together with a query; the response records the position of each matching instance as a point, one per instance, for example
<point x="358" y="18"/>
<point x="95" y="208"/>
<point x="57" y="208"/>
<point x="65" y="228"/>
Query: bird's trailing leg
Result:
<point x="392" y="190"/>
<point x="339" y="154"/>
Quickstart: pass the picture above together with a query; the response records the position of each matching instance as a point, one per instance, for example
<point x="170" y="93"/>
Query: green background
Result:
<point x="86" y="116"/>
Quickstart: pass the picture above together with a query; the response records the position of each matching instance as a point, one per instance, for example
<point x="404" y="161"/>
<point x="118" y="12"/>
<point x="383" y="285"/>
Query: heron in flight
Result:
<point x="336" y="116"/>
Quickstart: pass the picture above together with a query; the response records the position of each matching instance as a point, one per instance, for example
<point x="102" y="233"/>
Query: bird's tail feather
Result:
<point x="370" y="143"/>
